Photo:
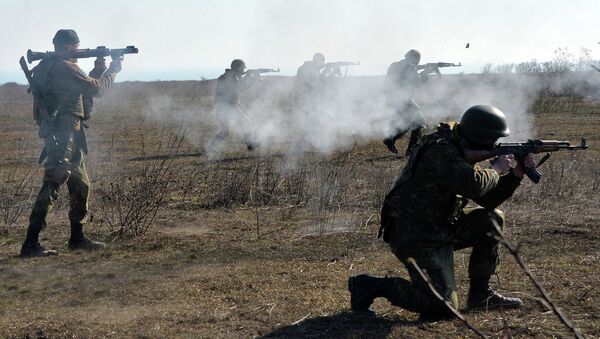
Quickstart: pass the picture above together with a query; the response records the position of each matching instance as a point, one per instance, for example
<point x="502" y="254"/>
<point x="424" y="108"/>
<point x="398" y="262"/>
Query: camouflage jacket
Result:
<point x="436" y="183"/>
<point x="67" y="89"/>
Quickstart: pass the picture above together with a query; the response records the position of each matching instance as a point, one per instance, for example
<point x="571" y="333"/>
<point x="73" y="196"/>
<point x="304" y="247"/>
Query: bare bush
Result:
<point x="487" y="68"/>
<point x="504" y="68"/>
<point x="129" y="204"/>
<point x="528" y="67"/>
<point x="16" y="190"/>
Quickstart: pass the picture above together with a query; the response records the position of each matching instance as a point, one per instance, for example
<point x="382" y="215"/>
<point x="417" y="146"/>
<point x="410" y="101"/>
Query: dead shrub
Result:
<point x="128" y="204"/>
<point x="16" y="189"/>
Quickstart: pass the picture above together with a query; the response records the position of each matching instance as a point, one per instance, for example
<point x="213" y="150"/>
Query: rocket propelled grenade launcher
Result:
<point x="99" y="52"/>
<point x="521" y="149"/>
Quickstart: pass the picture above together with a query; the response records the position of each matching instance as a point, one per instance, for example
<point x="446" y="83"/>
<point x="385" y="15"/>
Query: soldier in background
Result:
<point x="402" y="81"/>
<point x="227" y="104"/>
<point x="310" y="86"/>
<point x="424" y="217"/>
<point x="309" y="83"/>
<point x="68" y="94"/>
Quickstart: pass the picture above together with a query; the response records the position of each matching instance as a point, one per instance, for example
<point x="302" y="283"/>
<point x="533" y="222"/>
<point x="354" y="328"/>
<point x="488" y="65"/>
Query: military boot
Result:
<point x="31" y="246"/>
<point x="389" y="143"/>
<point x="79" y="242"/>
<point x="365" y="288"/>
<point x="482" y="298"/>
<point x="35" y="250"/>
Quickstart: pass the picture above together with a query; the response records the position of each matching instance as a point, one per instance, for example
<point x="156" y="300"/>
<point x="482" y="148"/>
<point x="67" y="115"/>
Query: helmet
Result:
<point x="65" y="37"/>
<point x="319" y="57"/>
<point x="238" y="64"/>
<point x="413" y="53"/>
<point x="483" y="125"/>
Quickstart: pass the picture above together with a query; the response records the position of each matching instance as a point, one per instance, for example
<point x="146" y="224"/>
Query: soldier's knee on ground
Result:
<point x="419" y="298"/>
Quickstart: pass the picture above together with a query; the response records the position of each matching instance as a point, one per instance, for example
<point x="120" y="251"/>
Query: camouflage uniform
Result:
<point x="402" y="80"/>
<point x="424" y="217"/>
<point x="68" y="93"/>
<point x="228" y="109"/>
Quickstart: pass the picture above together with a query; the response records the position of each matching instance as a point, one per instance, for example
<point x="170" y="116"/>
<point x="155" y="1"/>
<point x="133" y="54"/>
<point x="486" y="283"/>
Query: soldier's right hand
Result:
<point x="502" y="164"/>
<point x="115" y="66"/>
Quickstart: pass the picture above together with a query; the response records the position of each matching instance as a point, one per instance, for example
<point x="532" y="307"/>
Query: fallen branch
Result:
<point x="446" y="302"/>
<point x="507" y="331"/>
<point x="514" y="250"/>
<point x="301" y="319"/>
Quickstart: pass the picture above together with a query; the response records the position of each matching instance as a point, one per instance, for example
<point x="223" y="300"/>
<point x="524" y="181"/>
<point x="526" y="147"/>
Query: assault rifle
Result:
<point x="40" y="112"/>
<point x="521" y="149"/>
<point x="341" y="64"/>
<point x="259" y="71"/>
<point x="435" y="66"/>
<point x="99" y="52"/>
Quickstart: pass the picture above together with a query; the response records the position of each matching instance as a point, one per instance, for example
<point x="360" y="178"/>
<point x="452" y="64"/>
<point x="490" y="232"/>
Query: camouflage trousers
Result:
<point x="77" y="182"/>
<point x="437" y="259"/>
<point x="228" y="115"/>
<point x="410" y="117"/>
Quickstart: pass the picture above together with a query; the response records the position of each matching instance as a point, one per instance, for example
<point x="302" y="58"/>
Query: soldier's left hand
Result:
<point x="528" y="161"/>
<point x="100" y="64"/>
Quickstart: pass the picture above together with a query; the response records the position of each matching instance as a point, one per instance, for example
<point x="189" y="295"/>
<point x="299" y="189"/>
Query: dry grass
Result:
<point x="248" y="245"/>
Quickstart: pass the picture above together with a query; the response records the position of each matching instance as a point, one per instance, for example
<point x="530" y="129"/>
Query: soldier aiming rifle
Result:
<point x="227" y="106"/>
<point x="402" y="81"/>
<point x="425" y="217"/>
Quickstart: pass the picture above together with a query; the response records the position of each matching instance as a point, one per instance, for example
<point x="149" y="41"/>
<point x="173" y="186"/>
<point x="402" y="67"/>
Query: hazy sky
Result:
<point x="181" y="39"/>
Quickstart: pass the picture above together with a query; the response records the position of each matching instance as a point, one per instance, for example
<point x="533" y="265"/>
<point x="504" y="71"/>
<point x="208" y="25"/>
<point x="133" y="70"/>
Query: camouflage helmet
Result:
<point x="238" y="64"/>
<point x="483" y="125"/>
<point x="65" y="37"/>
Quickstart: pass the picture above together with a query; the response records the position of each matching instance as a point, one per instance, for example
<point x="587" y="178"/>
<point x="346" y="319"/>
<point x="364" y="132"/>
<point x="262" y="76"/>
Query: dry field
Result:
<point x="261" y="244"/>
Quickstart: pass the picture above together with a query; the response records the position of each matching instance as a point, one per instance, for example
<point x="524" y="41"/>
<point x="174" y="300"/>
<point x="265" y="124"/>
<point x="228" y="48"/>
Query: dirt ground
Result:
<point x="262" y="244"/>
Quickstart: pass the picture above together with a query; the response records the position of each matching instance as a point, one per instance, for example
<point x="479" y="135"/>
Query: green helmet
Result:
<point x="238" y="64"/>
<point x="413" y="53"/>
<point x="65" y="37"/>
<point x="483" y="125"/>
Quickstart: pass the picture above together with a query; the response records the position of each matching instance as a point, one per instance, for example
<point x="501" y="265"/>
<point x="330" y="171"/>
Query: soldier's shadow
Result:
<point x="341" y="325"/>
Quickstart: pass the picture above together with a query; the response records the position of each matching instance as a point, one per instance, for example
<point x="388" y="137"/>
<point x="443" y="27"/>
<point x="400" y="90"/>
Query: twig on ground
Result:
<point x="505" y="324"/>
<point x="514" y="250"/>
<point x="446" y="302"/>
<point x="301" y="319"/>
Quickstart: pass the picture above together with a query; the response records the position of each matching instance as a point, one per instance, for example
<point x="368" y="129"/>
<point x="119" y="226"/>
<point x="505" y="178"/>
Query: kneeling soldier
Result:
<point x="425" y="217"/>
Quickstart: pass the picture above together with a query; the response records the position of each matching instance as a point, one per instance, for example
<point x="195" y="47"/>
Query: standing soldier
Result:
<point x="309" y="91"/>
<point x="227" y="103"/>
<point x="67" y="92"/>
<point x="424" y="217"/>
<point x="401" y="82"/>
<point x="309" y="84"/>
